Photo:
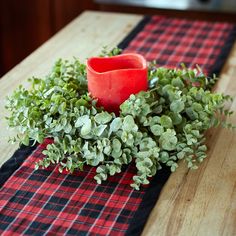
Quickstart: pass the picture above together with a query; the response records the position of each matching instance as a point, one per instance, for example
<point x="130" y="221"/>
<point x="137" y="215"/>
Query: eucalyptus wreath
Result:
<point x="157" y="127"/>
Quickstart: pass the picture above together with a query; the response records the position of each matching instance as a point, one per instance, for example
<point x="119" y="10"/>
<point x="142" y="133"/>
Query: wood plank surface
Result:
<point x="201" y="202"/>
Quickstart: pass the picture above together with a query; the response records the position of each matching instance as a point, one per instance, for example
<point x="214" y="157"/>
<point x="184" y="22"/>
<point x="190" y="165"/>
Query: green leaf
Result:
<point x="81" y="121"/>
<point x="177" y="82"/>
<point x="147" y="162"/>
<point x="166" y="121"/>
<point x="62" y="108"/>
<point x="164" y="156"/>
<point x="86" y="128"/>
<point x="98" y="179"/>
<point x="176" y="118"/>
<point x="181" y="155"/>
<point x="168" y="140"/>
<point x="98" y="131"/>
<point x="197" y="107"/>
<point x="116" y="145"/>
<point x="135" y="186"/>
<point x="157" y="130"/>
<point x="115" y="124"/>
<point x="60" y="169"/>
<point x="68" y="128"/>
<point x="177" y="106"/>
<point x="113" y="169"/>
<point x="129" y="124"/>
<point x="101" y="169"/>
<point x="191" y="113"/>
<point x="25" y="140"/>
<point x="173" y="167"/>
<point x="143" y="154"/>
<point x="103" y="118"/>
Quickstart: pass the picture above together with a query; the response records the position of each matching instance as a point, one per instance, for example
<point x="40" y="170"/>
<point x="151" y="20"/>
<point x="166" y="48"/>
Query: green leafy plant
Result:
<point x="158" y="127"/>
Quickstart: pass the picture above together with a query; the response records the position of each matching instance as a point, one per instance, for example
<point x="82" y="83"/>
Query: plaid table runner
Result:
<point x="44" y="202"/>
<point x="171" y="41"/>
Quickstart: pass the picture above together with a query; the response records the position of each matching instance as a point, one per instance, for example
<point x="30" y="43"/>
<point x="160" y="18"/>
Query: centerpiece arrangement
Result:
<point x="162" y="117"/>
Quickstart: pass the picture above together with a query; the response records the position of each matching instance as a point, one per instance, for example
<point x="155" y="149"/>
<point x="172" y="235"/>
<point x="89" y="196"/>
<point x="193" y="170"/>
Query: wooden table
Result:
<point x="201" y="202"/>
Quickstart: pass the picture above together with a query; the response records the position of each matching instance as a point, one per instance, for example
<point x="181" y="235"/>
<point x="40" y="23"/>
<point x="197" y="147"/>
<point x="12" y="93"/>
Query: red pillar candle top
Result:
<point x="112" y="80"/>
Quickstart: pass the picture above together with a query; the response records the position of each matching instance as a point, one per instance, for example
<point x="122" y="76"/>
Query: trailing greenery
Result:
<point x="155" y="128"/>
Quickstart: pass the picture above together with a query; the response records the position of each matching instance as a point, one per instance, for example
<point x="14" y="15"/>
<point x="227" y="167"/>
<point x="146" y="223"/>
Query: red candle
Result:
<point x="112" y="80"/>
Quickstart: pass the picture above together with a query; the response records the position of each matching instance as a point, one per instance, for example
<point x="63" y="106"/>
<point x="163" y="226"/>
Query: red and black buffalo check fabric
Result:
<point x="45" y="202"/>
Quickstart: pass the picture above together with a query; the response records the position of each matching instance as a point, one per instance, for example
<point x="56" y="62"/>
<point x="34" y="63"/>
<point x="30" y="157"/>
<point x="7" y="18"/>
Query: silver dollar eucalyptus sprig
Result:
<point x="155" y="128"/>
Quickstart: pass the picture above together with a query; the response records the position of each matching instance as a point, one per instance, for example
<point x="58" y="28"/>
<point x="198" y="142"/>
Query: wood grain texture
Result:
<point x="201" y="202"/>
